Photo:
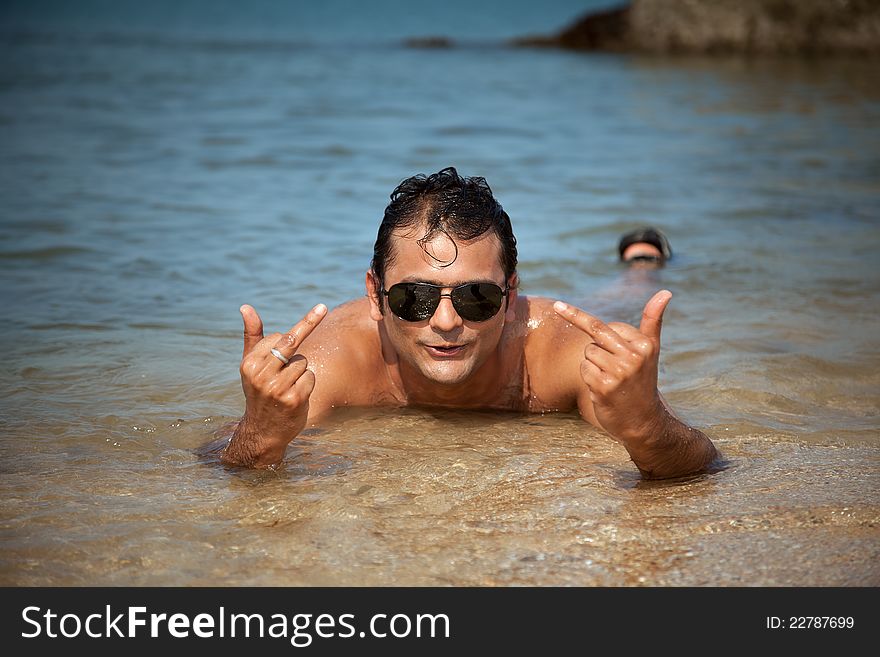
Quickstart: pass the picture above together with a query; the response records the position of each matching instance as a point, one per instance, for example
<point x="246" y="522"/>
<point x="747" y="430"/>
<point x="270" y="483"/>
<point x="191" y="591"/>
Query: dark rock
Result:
<point x="429" y="42"/>
<point x="725" y="26"/>
<point x="606" y="30"/>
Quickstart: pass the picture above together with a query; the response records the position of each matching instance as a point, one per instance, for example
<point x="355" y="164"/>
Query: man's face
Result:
<point x="445" y="348"/>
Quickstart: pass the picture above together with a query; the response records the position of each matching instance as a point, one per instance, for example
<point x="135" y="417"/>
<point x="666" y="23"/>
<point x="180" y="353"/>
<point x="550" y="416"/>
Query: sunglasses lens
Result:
<point x="477" y="302"/>
<point x="413" y="302"/>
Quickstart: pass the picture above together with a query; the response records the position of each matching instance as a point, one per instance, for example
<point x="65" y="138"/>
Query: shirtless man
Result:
<point x="443" y="325"/>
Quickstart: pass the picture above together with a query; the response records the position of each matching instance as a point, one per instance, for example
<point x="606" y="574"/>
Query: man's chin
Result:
<point x="449" y="374"/>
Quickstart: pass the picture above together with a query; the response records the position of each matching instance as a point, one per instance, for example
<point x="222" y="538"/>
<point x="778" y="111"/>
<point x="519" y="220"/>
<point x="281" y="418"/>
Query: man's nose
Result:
<point x="445" y="318"/>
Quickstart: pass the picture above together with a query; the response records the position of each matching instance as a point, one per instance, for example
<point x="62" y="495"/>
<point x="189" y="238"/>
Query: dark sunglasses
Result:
<point x="474" y="302"/>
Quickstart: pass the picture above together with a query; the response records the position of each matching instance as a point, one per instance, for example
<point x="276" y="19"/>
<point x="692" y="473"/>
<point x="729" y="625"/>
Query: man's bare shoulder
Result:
<point x="553" y="352"/>
<point x="545" y="328"/>
<point x="347" y="331"/>
<point x="345" y="354"/>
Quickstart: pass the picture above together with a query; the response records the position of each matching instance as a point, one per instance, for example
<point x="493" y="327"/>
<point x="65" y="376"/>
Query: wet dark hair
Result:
<point x="445" y="202"/>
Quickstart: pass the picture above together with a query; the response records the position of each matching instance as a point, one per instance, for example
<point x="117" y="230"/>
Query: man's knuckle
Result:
<point x="308" y="379"/>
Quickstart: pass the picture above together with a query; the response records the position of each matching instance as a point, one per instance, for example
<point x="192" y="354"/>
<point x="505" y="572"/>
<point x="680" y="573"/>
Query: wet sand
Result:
<point x="436" y="499"/>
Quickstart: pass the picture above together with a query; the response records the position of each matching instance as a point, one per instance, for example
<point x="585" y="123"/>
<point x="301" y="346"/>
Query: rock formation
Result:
<point x="802" y="27"/>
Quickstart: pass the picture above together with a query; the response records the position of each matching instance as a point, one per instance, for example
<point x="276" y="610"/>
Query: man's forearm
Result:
<point x="249" y="448"/>
<point x="672" y="449"/>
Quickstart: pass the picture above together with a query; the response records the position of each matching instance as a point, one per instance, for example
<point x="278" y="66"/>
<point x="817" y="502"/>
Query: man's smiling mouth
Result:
<point x="445" y="351"/>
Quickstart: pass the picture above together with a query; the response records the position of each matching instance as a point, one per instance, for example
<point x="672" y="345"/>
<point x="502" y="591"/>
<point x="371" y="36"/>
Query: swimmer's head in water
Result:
<point x="448" y="205"/>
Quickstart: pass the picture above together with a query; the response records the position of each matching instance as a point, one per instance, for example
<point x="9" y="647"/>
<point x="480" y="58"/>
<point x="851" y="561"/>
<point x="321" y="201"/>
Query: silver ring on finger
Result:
<point x="279" y="355"/>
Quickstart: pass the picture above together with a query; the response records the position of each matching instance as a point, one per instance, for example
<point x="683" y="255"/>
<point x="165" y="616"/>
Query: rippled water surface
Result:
<point x="154" y="181"/>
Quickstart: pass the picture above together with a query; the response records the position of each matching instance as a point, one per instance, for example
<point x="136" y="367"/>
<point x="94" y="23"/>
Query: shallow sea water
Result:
<point x="151" y="183"/>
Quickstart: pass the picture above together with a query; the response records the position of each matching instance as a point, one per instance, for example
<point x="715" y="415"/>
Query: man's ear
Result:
<point x="512" y="290"/>
<point x="374" y="295"/>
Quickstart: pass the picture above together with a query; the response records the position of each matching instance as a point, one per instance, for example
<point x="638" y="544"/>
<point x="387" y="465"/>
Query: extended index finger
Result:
<point x="602" y="334"/>
<point x="289" y="342"/>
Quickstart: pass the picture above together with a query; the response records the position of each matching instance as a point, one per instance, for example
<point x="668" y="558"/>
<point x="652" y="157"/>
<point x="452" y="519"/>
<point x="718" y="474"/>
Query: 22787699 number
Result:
<point x="810" y="622"/>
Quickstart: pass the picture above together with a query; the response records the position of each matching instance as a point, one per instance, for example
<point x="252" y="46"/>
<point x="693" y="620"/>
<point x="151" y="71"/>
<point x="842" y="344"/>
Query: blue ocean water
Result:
<point x="162" y="163"/>
<point x="332" y="21"/>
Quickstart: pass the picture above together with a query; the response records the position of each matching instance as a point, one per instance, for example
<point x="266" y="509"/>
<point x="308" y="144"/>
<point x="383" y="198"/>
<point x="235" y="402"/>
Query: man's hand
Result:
<point x="276" y="393"/>
<point x="620" y="369"/>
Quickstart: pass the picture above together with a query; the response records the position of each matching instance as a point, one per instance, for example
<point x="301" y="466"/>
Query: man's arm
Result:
<point x="277" y="385"/>
<point x="671" y="448"/>
<point x="618" y="393"/>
